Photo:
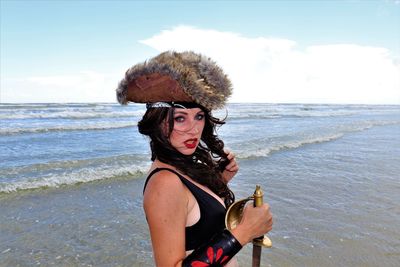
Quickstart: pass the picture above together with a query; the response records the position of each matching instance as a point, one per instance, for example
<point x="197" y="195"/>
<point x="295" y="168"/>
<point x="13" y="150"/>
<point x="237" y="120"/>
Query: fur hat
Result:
<point x="176" y="77"/>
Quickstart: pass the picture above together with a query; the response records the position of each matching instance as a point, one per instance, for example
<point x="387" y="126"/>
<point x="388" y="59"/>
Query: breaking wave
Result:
<point x="68" y="127"/>
<point x="56" y="174"/>
<point x="268" y="146"/>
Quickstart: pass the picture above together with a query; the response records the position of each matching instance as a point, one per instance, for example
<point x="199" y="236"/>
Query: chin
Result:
<point x="188" y="151"/>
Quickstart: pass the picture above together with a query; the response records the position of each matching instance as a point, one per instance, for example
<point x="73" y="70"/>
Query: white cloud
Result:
<point x="262" y="70"/>
<point x="275" y="70"/>
<point x="85" y="86"/>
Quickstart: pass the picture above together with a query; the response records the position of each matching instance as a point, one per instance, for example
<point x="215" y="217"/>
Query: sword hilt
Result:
<point x="262" y="241"/>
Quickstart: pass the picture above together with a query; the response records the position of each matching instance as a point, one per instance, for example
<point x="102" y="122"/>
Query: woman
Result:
<point x="186" y="192"/>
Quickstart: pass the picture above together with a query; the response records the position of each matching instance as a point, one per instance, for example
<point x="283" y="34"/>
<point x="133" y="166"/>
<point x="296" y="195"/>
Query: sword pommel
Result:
<point x="262" y="241"/>
<point x="258" y="196"/>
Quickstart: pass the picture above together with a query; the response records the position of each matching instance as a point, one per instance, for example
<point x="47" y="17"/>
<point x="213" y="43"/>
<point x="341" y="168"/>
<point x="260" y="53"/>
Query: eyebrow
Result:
<point x="185" y="113"/>
<point x="181" y="112"/>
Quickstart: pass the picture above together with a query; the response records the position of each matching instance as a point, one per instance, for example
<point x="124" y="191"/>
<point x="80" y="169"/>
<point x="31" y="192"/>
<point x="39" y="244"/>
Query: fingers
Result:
<point x="263" y="211"/>
<point x="232" y="166"/>
<point x="269" y="218"/>
<point x="258" y="219"/>
<point x="265" y="215"/>
<point x="229" y="154"/>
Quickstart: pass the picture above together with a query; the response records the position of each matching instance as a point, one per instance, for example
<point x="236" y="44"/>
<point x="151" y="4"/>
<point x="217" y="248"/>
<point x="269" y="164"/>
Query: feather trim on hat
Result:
<point x="197" y="78"/>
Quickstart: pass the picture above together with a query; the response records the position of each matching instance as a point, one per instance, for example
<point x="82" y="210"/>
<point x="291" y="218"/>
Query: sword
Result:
<point x="234" y="216"/>
<point x="262" y="241"/>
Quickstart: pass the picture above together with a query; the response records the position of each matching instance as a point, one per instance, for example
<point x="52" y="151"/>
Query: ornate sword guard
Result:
<point x="234" y="215"/>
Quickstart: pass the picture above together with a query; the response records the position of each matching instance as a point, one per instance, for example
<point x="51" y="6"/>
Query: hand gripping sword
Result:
<point x="234" y="216"/>
<point x="261" y="241"/>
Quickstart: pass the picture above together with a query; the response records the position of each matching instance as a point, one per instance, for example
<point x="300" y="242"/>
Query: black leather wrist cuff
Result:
<point x="217" y="252"/>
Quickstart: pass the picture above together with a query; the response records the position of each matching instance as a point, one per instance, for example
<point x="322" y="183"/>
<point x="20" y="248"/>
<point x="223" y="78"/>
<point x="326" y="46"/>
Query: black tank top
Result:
<point x="212" y="214"/>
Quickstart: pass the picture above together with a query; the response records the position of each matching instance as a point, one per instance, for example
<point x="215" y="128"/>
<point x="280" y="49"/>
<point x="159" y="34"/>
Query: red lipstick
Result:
<point x="191" y="143"/>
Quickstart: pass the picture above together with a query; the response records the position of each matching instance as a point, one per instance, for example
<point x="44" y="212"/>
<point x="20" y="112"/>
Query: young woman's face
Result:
<point x="188" y="127"/>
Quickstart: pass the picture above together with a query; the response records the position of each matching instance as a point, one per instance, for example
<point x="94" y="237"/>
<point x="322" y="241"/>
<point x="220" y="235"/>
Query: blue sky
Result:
<point x="274" y="51"/>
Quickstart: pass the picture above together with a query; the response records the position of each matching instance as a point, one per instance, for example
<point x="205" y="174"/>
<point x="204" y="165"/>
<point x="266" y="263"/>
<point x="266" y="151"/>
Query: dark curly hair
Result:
<point x="205" y="165"/>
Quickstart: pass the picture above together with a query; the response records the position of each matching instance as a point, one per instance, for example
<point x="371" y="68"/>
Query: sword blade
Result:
<point x="256" y="256"/>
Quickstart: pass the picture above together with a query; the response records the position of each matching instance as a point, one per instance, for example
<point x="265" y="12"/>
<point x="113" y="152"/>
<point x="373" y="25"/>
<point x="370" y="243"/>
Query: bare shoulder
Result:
<point x="164" y="189"/>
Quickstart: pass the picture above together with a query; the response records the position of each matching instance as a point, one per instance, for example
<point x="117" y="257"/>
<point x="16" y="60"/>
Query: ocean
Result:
<point x="71" y="179"/>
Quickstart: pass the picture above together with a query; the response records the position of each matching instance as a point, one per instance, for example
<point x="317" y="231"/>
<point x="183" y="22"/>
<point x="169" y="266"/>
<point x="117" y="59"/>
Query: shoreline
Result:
<point x="335" y="203"/>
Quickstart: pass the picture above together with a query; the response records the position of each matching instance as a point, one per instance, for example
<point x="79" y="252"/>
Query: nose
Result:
<point x="194" y="128"/>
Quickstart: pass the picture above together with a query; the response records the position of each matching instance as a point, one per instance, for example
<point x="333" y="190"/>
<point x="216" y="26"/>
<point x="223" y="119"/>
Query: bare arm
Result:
<point x="165" y="204"/>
